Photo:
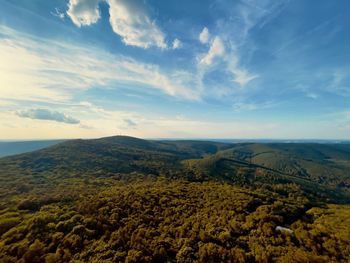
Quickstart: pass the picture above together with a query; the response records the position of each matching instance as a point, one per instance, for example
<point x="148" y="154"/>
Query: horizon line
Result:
<point x="185" y="138"/>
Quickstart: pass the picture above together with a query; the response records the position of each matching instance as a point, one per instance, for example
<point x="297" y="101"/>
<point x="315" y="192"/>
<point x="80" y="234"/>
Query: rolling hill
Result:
<point x="113" y="154"/>
<point x="317" y="168"/>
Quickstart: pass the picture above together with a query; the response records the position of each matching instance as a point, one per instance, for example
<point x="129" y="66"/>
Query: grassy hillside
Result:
<point x="123" y="199"/>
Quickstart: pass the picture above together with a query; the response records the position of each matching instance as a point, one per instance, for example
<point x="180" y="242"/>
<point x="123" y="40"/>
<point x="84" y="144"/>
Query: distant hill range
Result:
<point x="320" y="169"/>
<point x="12" y="148"/>
<point x="8" y="148"/>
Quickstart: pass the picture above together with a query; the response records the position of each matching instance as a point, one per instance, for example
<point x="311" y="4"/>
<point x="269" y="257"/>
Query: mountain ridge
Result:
<point x="314" y="167"/>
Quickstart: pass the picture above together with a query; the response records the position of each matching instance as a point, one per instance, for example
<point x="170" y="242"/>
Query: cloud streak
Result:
<point x="44" y="114"/>
<point x="39" y="70"/>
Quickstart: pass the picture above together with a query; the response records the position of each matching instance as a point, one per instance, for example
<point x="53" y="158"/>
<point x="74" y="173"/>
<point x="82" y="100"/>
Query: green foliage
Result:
<point x="167" y="220"/>
<point x="123" y="199"/>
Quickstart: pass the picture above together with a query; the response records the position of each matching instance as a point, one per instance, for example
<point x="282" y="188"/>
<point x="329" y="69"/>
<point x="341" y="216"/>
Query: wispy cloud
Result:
<point x="240" y="75"/>
<point x="234" y="31"/>
<point x="39" y="69"/>
<point x="45" y="114"/>
<point x="254" y="13"/>
<point x="307" y="91"/>
<point x="339" y="82"/>
<point x="299" y="38"/>
<point x="227" y="55"/>
<point x="252" y="106"/>
<point x="58" y="13"/>
<point x="217" y="49"/>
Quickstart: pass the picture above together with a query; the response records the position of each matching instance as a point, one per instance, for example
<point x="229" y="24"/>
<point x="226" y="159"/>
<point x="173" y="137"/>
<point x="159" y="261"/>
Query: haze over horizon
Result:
<point x="244" y="69"/>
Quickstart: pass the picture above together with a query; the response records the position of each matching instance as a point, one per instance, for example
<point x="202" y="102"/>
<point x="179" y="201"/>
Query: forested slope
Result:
<point x="327" y="164"/>
<point x="123" y="199"/>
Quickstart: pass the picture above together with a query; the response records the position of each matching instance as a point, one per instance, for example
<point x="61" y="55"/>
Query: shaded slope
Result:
<point x="322" y="163"/>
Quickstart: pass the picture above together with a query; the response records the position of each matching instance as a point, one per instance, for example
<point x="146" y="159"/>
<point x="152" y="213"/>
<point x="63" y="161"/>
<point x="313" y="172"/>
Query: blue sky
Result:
<point x="181" y="69"/>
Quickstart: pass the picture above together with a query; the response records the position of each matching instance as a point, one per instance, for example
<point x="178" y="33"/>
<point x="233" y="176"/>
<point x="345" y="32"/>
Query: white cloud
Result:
<point x="83" y="12"/>
<point x="39" y="70"/>
<point x="177" y="43"/>
<point x="132" y="23"/>
<point x="128" y="19"/>
<point x="204" y="36"/>
<point x="228" y="55"/>
<point x="217" y="49"/>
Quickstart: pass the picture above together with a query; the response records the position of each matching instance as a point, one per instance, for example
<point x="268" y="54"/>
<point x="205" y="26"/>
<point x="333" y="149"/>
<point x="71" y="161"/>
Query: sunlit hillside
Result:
<point x="126" y="199"/>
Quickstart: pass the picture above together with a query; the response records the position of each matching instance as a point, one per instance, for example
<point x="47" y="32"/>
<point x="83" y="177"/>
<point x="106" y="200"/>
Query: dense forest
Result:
<point x="123" y="199"/>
